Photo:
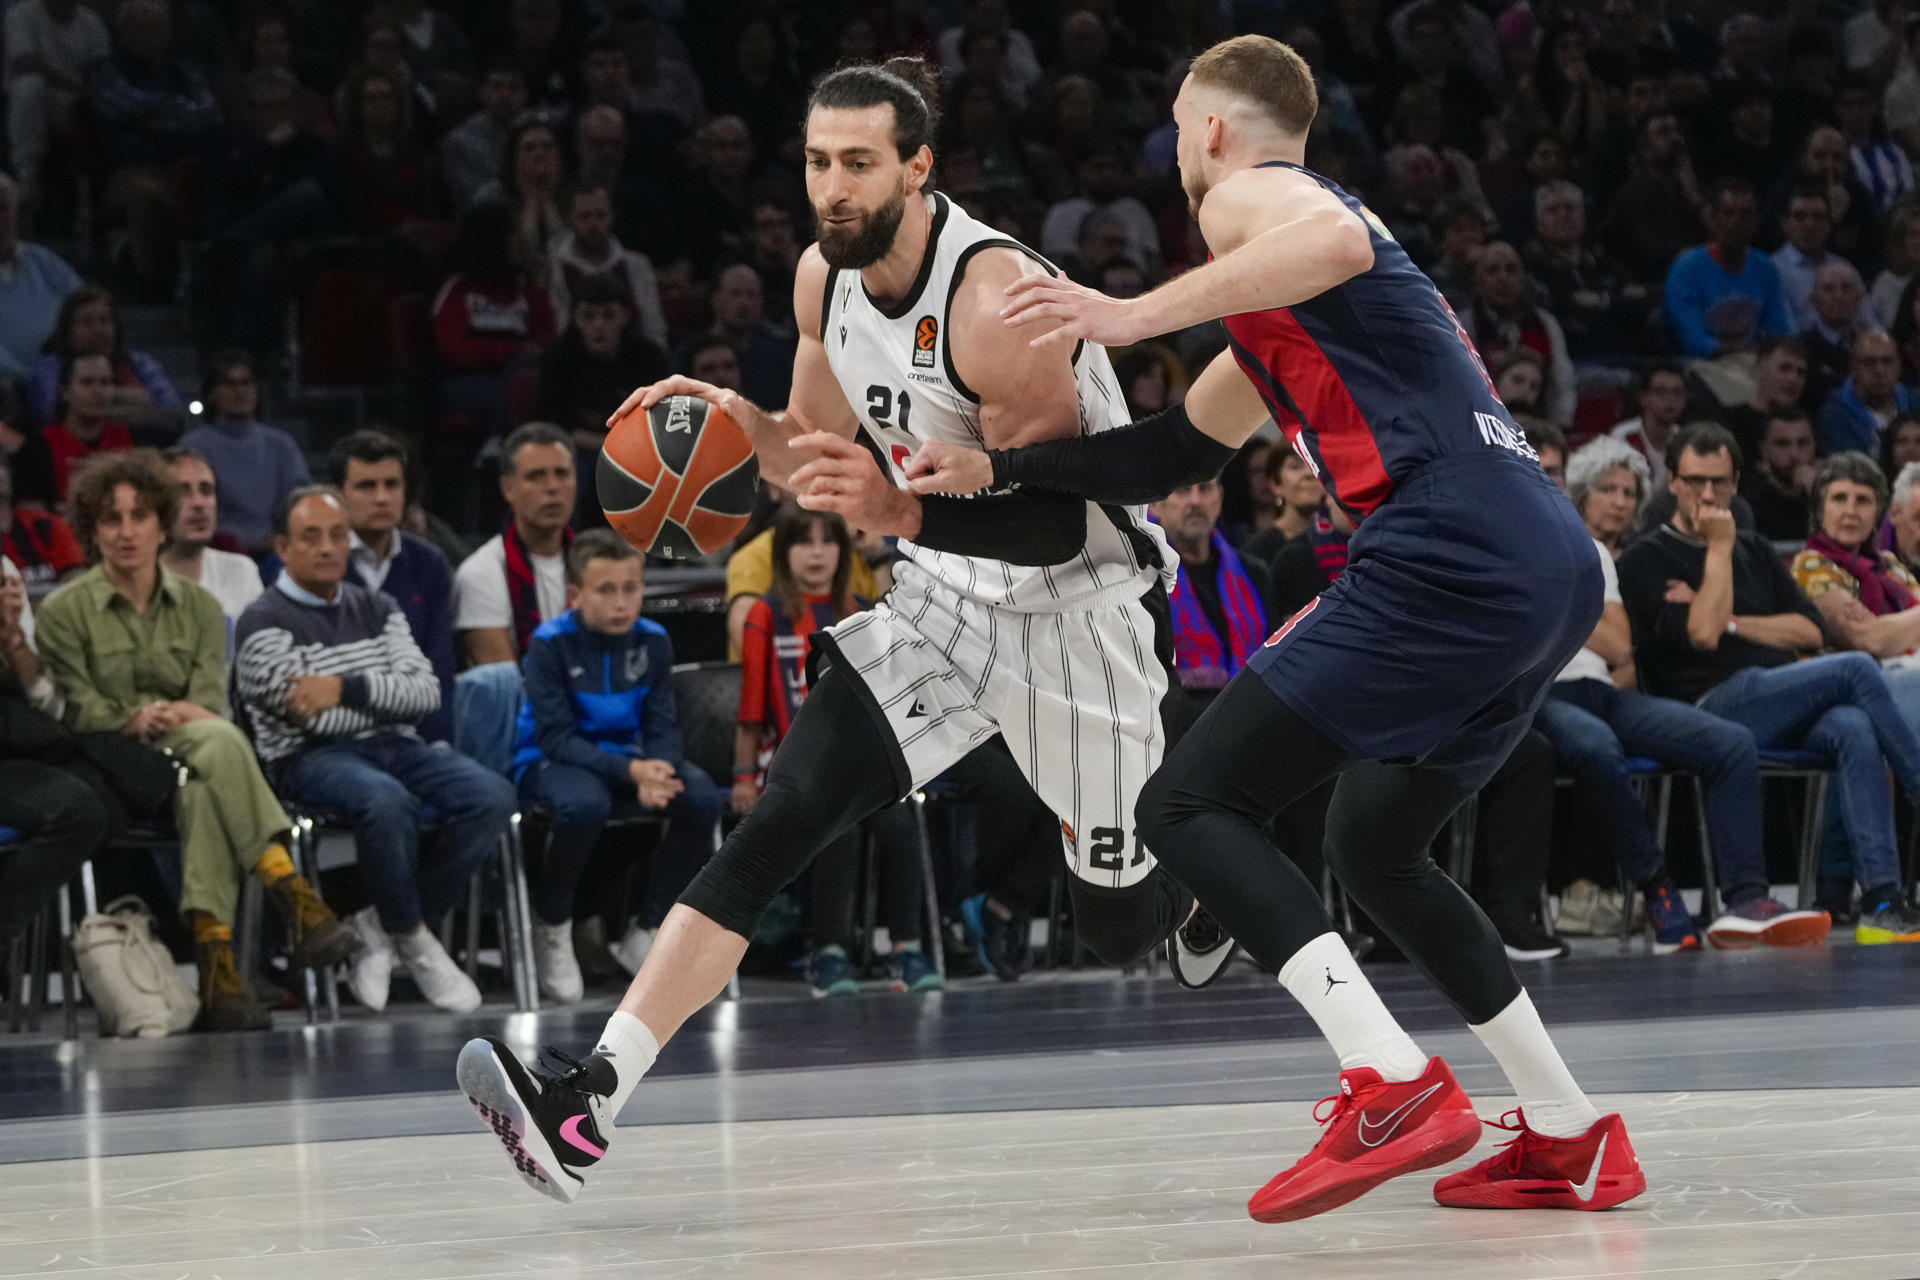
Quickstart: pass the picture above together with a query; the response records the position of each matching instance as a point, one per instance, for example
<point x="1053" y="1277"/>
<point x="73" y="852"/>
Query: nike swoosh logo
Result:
<point x="1583" y="1191"/>
<point x="1386" y="1128"/>
<point x="571" y="1132"/>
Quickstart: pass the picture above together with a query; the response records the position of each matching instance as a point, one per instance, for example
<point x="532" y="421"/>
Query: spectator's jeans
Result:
<point x="578" y="803"/>
<point x="1595" y="726"/>
<point x="1836" y="859"/>
<point x="1838" y="705"/>
<point x="62" y="822"/>
<point x="386" y="786"/>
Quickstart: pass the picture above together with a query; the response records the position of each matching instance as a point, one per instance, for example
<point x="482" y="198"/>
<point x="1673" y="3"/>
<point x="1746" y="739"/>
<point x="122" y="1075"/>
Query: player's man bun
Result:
<point x="908" y="84"/>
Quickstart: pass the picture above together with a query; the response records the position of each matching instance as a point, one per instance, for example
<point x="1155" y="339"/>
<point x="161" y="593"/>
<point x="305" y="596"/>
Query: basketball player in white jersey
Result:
<point x="1039" y="617"/>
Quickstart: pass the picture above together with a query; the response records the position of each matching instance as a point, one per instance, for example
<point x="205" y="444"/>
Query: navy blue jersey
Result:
<point x="1374" y="377"/>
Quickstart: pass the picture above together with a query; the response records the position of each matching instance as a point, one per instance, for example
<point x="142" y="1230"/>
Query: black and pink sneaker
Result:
<point x="554" y="1127"/>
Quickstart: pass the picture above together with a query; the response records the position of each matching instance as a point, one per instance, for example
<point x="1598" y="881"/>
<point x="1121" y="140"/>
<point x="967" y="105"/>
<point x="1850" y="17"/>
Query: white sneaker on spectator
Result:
<point x="554" y="961"/>
<point x="444" y="983"/>
<point x="631" y="950"/>
<point x="370" y="972"/>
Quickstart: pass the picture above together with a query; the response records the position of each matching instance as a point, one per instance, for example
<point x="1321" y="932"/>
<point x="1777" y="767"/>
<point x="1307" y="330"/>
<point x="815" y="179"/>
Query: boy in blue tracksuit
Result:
<point x="598" y="734"/>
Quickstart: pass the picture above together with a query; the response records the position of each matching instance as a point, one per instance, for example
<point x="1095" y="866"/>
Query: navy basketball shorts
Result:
<point x="1465" y="594"/>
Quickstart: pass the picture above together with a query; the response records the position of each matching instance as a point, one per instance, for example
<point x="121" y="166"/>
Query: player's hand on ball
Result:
<point x="940" y="467"/>
<point x="648" y="396"/>
<point x="843" y="478"/>
<point x="1058" y="310"/>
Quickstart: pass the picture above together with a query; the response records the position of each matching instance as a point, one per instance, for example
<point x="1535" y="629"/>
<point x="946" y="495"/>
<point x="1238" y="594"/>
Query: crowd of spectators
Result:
<point x="1682" y="238"/>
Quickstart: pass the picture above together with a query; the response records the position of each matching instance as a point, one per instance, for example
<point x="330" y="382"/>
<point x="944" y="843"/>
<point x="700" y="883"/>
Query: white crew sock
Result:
<point x="631" y="1048"/>
<point x="1329" y="985"/>
<point x="1553" y="1103"/>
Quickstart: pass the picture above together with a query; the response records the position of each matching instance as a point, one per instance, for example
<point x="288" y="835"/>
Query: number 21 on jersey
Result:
<point x="881" y="408"/>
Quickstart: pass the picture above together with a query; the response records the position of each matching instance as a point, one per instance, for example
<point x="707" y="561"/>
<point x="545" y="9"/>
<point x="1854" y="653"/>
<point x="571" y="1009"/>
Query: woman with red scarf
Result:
<point x="1865" y="595"/>
<point x="812" y="560"/>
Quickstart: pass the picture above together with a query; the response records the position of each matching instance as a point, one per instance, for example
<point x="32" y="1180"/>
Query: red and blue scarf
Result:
<point x="523" y="593"/>
<point x="1196" y="644"/>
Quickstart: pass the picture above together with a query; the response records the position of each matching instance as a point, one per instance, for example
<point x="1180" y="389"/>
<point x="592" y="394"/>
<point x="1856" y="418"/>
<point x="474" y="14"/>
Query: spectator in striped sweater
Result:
<point x="334" y="684"/>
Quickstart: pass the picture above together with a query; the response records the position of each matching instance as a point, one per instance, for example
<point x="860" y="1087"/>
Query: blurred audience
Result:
<point x="335" y="686"/>
<point x="598" y="737"/>
<point x="231" y="578"/>
<point x="173" y="698"/>
<point x="256" y="464"/>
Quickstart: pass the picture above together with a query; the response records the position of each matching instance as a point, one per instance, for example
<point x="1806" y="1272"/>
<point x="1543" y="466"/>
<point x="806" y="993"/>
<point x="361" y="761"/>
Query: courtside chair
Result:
<point x="1816" y="770"/>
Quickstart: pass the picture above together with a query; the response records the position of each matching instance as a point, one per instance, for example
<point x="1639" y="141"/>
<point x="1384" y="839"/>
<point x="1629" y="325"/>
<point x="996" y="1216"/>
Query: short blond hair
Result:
<point x="1266" y="73"/>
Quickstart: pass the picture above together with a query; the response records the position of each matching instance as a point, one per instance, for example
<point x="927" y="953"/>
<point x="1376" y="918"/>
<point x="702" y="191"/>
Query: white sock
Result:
<point x="1329" y="985"/>
<point x="631" y="1048"/>
<point x="1548" y="1095"/>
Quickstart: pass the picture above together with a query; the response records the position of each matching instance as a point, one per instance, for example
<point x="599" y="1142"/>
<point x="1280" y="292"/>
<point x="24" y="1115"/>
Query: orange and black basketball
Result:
<point x="677" y="480"/>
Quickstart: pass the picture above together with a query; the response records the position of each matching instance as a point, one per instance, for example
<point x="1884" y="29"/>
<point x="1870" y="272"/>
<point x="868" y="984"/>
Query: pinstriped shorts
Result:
<point x="1075" y="694"/>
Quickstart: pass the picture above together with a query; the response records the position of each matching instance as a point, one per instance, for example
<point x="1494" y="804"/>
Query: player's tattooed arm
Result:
<point x="815" y="404"/>
<point x="1182" y="445"/>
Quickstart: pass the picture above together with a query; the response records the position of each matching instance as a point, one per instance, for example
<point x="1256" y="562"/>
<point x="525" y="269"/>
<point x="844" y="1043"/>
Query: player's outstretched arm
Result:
<point x="1179" y="446"/>
<point x="1279" y="238"/>
<point x="816" y="403"/>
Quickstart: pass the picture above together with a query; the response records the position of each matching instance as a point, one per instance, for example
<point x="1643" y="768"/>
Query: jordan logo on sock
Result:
<point x="1333" y="982"/>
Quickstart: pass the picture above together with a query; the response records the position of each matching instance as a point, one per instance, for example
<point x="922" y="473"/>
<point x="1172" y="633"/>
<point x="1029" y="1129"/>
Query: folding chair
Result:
<point x="1816" y="770"/>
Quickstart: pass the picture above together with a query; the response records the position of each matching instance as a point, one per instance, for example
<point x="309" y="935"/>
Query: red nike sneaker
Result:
<point x="1376" y="1130"/>
<point x="1596" y="1170"/>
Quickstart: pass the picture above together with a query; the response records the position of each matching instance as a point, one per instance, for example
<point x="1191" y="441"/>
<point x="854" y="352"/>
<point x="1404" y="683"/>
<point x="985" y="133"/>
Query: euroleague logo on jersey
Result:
<point x="924" y="335"/>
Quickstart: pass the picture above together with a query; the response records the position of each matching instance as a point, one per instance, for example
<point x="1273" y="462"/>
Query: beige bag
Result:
<point x="135" y="987"/>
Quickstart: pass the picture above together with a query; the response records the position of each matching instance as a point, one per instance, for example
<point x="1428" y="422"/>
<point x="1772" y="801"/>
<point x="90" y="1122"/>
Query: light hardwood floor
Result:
<point x="1744" y="1185"/>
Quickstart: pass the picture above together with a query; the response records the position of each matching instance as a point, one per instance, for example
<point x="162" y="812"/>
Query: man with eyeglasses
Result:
<point x="1719" y="623"/>
<point x="254" y="463"/>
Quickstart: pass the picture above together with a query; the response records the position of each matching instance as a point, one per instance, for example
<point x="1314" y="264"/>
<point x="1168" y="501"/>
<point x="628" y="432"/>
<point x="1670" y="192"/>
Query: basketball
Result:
<point x="677" y="480"/>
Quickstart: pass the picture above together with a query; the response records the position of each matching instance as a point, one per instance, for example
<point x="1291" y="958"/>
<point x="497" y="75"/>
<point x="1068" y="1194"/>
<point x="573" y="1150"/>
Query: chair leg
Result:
<point x="1709" y="882"/>
<point x="930" y="890"/>
<point x="523" y="906"/>
<point x="37" y="970"/>
<point x="1817" y="785"/>
<point x="15" y="1000"/>
<point x="69" y="993"/>
<point x="516" y="944"/>
<point x="476" y="899"/>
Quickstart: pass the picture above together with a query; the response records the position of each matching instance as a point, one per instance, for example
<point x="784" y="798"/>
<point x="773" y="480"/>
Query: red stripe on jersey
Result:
<point x="1291" y="623"/>
<point x="1342" y="438"/>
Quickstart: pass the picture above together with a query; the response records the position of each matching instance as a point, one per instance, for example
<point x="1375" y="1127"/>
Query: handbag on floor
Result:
<point x="130" y="973"/>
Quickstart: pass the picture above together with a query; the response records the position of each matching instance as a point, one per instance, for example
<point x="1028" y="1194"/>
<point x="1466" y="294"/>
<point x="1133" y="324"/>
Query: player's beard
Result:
<point x="855" y="247"/>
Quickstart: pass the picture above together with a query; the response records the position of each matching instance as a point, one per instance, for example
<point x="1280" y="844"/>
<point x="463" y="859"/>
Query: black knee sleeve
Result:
<point x="1121" y="925"/>
<point x="833" y="770"/>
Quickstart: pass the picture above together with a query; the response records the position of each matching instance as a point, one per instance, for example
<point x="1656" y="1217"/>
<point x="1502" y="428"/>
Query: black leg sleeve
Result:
<point x="1205" y="813"/>
<point x="1121" y="925"/>
<point x="896" y="850"/>
<point x="833" y="891"/>
<point x="833" y="770"/>
<point x="1516" y="829"/>
<point x="1382" y="821"/>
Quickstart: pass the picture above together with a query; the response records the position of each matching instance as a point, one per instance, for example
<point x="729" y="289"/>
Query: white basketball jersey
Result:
<point x="895" y="368"/>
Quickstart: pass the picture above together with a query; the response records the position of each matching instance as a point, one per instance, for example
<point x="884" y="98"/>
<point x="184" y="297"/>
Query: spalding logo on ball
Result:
<point x="678" y="480"/>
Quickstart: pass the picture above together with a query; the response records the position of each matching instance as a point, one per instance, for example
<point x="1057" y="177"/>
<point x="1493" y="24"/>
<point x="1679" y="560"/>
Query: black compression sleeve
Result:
<point x="1019" y="528"/>
<point x="1140" y="463"/>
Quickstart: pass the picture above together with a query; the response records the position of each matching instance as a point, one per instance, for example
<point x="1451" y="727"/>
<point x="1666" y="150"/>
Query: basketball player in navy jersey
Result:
<point x="1471" y="583"/>
<point x="1039" y="617"/>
